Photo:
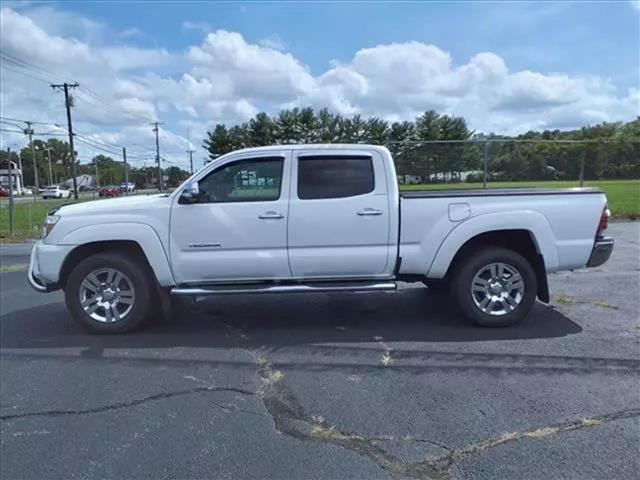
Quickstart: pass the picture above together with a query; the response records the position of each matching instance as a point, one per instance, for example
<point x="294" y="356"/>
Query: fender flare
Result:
<point x="535" y="223"/>
<point x="144" y="235"/>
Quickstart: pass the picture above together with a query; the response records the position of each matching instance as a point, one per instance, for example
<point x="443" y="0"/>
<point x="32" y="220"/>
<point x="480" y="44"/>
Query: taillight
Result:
<point x="604" y="220"/>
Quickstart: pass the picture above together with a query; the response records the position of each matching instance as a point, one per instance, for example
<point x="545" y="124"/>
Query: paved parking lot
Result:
<point x="375" y="385"/>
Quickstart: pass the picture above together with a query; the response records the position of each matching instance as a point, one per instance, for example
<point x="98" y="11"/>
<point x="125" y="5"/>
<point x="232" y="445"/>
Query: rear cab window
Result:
<point x="336" y="176"/>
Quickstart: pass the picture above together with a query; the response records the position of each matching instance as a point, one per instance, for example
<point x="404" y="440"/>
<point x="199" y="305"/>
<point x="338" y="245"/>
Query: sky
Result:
<point x="507" y="67"/>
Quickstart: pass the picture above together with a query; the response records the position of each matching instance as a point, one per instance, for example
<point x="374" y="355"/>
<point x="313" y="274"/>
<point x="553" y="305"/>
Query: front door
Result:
<point x="237" y="229"/>
<point x="339" y="220"/>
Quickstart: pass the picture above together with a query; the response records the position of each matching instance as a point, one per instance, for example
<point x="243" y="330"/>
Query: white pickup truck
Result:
<point x="315" y="218"/>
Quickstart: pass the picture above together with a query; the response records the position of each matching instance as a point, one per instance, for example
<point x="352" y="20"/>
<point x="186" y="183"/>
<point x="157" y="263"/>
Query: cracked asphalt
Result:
<point x="373" y="386"/>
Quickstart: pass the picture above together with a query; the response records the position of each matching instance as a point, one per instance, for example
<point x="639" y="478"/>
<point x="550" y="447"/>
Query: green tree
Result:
<point x="287" y="126"/>
<point x="218" y="142"/>
<point x="110" y="171"/>
<point x="613" y="150"/>
<point x="427" y="126"/>
<point x="239" y="137"/>
<point x="327" y="126"/>
<point x="60" y="161"/>
<point x="307" y="126"/>
<point x="176" y="176"/>
<point x="261" y="130"/>
<point x="377" y="131"/>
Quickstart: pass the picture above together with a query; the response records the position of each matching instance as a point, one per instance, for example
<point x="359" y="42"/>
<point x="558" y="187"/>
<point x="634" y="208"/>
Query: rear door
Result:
<point x="339" y="220"/>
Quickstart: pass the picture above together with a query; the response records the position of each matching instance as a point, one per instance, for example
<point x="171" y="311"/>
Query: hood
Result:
<point x="115" y="205"/>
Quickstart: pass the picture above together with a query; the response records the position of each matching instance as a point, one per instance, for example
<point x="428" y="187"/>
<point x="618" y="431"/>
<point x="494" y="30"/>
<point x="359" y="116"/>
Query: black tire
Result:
<point x="471" y="264"/>
<point x="136" y="273"/>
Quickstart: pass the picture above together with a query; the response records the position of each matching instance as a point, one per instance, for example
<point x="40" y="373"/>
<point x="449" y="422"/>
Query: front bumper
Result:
<point x="601" y="252"/>
<point x="45" y="264"/>
<point x="32" y="273"/>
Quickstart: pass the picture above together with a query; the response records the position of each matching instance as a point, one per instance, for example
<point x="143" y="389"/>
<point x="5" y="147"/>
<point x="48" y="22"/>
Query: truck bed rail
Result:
<point x="497" y="192"/>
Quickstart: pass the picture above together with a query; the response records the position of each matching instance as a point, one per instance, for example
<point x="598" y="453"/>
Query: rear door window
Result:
<point x="334" y="177"/>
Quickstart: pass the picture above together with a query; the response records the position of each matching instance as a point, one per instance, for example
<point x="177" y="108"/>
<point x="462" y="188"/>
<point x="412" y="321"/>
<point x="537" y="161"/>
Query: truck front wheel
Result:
<point x="494" y="286"/>
<point x="109" y="293"/>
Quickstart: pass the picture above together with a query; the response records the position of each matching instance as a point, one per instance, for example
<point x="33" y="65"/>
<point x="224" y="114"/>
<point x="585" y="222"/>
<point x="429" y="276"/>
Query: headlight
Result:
<point x="49" y="222"/>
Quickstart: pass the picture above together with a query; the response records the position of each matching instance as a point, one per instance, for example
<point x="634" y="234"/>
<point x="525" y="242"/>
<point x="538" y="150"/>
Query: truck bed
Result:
<point x="496" y="192"/>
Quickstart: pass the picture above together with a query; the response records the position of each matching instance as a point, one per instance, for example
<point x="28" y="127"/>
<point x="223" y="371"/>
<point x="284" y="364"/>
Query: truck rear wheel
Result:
<point x="109" y="293"/>
<point x="494" y="286"/>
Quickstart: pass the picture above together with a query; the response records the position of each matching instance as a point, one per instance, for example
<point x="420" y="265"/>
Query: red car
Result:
<point x="4" y="192"/>
<point x="109" y="192"/>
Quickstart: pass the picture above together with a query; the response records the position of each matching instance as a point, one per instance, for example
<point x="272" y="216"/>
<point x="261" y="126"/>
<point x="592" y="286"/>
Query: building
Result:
<point x="16" y="177"/>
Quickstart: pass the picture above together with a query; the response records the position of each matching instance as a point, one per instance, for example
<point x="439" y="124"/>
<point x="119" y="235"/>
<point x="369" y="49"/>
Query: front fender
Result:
<point x="534" y="222"/>
<point x="144" y="235"/>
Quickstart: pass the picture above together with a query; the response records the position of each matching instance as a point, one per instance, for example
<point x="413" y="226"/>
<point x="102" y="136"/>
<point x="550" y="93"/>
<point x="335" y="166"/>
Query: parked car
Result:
<point x="111" y="191"/>
<point x="4" y="192"/>
<point x="315" y="218"/>
<point x="56" y="191"/>
<point x="127" y="187"/>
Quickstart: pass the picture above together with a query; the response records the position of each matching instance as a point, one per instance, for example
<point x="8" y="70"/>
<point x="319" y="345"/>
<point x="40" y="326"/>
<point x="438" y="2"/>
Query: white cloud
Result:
<point x="200" y="26"/>
<point x="127" y="58"/>
<point x="227" y="79"/>
<point x="401" y="80"/>
<point x="274" y="42"/>
<point x="254" y="72"/>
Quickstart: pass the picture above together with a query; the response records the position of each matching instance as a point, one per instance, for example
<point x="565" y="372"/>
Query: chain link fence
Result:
<point x="493" y="163"/>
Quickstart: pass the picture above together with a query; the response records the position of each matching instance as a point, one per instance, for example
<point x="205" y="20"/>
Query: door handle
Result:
<point x="369" y="212"/>
<point x="270" y="215"/>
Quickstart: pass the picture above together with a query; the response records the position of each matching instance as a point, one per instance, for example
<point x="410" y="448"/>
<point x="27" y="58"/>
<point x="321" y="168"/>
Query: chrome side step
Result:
<point x="236" y="289"/>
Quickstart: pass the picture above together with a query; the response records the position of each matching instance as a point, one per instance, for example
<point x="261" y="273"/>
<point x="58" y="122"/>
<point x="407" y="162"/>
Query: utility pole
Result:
<point x="29" y="131"/>
<point x="191" y="160"/>
<point x="48" y="149"/>
<point x="67" y="101"/>
<point x="126" y="171"/>
<point x="190" y="151"/>
<point x="95" y="162"/>
<point x="156" y="129"/>
<point x="11" y="205"/>
<point x="486" y="164"/>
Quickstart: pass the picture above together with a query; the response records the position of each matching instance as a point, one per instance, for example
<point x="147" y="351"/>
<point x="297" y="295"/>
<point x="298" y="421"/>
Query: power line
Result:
<point x="96" y="146"/>
<point x="13" y="124"/>
<point x="38" y="134"/>
<point x="107" y="149"/>
<point x="84" y="92"/>
<point x="6" y="67"/>
<point x="87" y="139"/>
<point x="31" y="66"/>
<point x="2" y="117"/>
<point x="105" y="146"/>
<point x="111" y="152"/>
<point x="92" y="139"/>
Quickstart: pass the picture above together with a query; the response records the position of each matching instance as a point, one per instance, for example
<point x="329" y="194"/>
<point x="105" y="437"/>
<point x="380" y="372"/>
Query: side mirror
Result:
<point x="190" y="194"/>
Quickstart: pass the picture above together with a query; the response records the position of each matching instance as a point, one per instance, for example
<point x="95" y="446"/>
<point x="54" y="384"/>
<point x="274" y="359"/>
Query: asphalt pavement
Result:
<point x="372" y="385"/>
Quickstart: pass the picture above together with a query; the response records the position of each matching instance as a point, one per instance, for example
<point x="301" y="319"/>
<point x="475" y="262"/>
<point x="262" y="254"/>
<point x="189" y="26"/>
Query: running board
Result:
<point x="236" y="289"/>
